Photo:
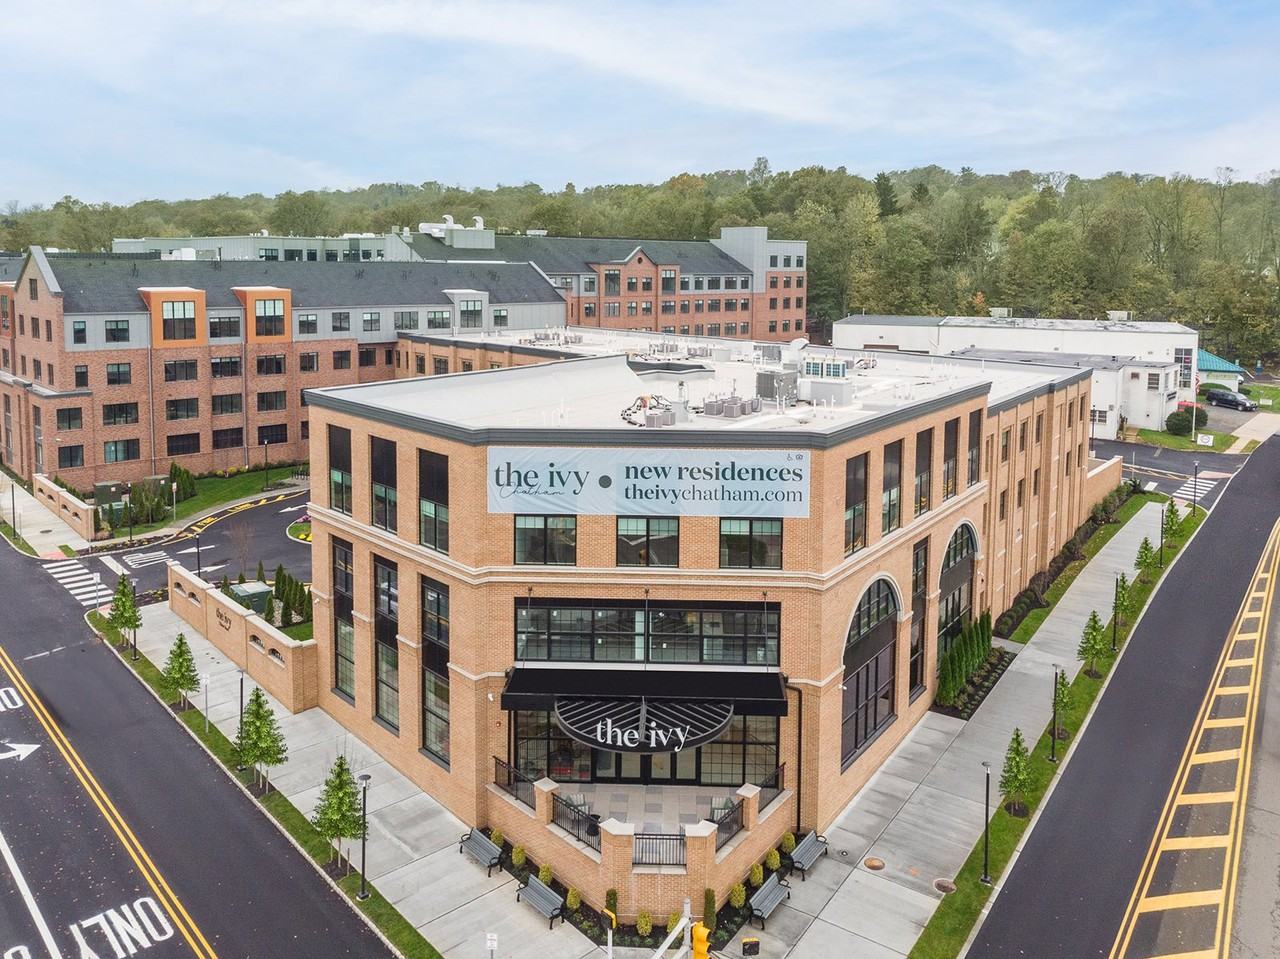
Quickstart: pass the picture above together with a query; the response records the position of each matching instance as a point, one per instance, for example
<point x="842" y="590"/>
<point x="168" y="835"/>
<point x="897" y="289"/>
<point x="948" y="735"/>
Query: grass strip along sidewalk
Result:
<point x="1027" y="628"/>
<point x="956" y="915"/>
<point x="398" y="930"/>
<point x="18" y="542"/>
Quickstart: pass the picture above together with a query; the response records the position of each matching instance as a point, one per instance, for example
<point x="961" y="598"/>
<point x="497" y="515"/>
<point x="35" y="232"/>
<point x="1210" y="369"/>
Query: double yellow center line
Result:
<point x="154" y="878"/>
<point x="1182" y="905"/>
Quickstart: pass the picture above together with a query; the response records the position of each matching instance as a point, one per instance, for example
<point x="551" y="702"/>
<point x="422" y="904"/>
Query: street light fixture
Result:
<point x="986" y="826"/>
<point x="133" y="588"/>
<point x="1053" y="729"/>
<point x="364" y="832"/>
<point x="266" y="470"/>
<point x="128" y="508"/>
<point x="1115" y="612"/>
<point x="240" y="726"/>
<point x="1195" y="486"/>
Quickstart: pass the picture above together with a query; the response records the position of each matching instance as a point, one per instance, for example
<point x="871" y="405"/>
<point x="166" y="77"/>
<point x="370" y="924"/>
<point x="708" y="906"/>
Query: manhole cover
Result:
<point x="874" y="864"/>
<point x="944" y="886"/>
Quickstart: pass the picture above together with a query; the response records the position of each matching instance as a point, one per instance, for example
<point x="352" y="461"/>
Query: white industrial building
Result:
<point x="1118" y="335"/>
<point x="1125" y="390"/>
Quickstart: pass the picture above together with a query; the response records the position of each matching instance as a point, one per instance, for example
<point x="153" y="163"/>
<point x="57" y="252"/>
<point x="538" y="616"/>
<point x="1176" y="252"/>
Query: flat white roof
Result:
<point x="1102" y="325"/>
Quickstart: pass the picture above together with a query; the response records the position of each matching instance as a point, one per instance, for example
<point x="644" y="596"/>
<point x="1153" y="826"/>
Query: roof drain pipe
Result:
<point x="799" y="746"/>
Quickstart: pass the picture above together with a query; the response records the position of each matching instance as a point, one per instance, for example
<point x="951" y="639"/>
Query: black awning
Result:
<point x="748" y="693"/>
<point x="638" y="725"/>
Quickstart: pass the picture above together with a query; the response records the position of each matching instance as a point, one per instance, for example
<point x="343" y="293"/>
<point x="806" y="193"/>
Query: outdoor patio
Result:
<point x="651" y="809"/>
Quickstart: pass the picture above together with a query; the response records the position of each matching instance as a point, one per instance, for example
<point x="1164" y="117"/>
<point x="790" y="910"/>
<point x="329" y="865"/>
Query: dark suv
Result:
<point x="1237" y="401"/>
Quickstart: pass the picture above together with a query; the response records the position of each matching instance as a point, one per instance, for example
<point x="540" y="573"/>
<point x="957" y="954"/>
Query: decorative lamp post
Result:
<point x="1053" y="729"/>
<point x="986" y="826"/>
<point x="364" y="832"/>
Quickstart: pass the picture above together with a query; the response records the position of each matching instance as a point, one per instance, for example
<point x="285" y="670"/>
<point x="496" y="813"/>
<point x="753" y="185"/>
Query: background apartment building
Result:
<point x="742" y="284"/>
<point x="850" y="513"/>
<point x="113" y="366"/>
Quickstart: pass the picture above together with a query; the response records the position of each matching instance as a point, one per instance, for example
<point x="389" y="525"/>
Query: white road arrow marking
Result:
<point x="203" y="549"/>
<point x="210" y="569"/>
<point x="19" y="750"/>
<point x="292" y="509"/>
<point x="112" y="565"/>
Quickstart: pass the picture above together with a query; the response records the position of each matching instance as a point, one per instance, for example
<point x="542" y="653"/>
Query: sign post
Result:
<point x="491" y="943"/>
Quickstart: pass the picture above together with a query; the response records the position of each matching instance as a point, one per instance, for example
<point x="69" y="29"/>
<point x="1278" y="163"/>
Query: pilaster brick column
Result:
<point x="750" y="796"/>
<point x="699" y="856"/>
<point x="617" y="854"/>
<point x="543" y="790"/>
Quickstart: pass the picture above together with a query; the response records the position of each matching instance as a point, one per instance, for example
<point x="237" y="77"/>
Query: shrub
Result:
<point x="788" y="843"/>
<point x="611" y="901"/>
<point x="1201" y="417"/>
<point x="756" y="876"/>
<point x="738" y="895"/>
<point x="544" y="874"/>
<point x="709" y="909"/>
<point x="573" y="899"/>
<point x="673" y="920"/>
<point x="644" y="923"/>
<point x="1178" y="423"/>
<point x="518" y="856"/>
<point x="772" y="860"/>
<point x="495" y="837"/>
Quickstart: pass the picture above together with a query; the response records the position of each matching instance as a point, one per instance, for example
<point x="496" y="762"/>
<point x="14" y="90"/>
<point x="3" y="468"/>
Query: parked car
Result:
<point x="1232" y="399"/>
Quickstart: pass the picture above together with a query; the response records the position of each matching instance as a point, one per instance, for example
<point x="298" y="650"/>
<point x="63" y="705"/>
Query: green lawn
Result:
<point x="213" y="491"/>
<point x="394" y="926"/>
<point x="956" y="915"/>
<point x="7" y="531"/>
<point x="1260" y="392"/>
<point x="300" y="531"/>
<point x="1221" y="441"/>
<point x="1027" y="628"/>
<point x="299" y="631"/>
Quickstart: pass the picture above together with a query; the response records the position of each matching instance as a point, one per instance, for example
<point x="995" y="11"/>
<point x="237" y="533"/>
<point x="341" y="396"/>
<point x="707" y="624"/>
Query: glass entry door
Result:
<point x="681" y="767"/>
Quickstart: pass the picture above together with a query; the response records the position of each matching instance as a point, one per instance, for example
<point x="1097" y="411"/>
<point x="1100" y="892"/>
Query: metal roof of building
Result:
<point x="1212" y="363"/>
<point x="578" y="254"/>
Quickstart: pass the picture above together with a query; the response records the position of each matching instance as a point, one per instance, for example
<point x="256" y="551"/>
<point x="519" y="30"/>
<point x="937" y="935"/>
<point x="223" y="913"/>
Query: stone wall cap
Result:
<point x="615" y="828"/>
<point x="699" y="830"/>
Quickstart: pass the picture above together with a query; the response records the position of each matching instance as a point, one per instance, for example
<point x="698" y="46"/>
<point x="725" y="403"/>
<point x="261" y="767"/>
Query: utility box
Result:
<point x="253" y="593"/>
<point x="107" y="493"/>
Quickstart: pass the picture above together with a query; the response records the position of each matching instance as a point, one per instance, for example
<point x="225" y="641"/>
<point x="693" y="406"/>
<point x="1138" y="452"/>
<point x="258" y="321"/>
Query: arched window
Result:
<point x="955" y="607"/>
<point x="961" y="546"/>
<point x="869" y="662"/>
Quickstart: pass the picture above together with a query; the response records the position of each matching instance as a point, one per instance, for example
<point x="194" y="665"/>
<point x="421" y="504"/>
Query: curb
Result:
<point x="1071" y="749"/>
<point x="241" y="786"/>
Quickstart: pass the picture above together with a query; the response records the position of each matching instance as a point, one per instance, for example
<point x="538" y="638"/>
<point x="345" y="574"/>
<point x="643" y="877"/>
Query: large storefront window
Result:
<point x="955" y="607"/>
<point x="615" y="632"/>
<point x="869" y="661"/>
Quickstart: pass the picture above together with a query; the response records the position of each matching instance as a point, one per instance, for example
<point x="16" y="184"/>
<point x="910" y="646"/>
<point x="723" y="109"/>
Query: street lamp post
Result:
<point x="174" y="490"/>
<point x="1053" y="729"/>
<point x="1115" y="613"/>
<point x="240" y="726"/>
<point x="128" y="508"/>
<point x="1195" y="486"/>
<point x="986" y="826"/>
<point x="133" y="588"/>
<point x="199" y="571"/>
<point x="364" y="832"/>
<point x="266" y="470"/>
<point x="1162" y="538"/>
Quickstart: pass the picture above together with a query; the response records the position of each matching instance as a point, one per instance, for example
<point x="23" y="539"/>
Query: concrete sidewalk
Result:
<point x="922" y="812"/>
<point x="413" y="857"/>
<point x="37" y="524"/>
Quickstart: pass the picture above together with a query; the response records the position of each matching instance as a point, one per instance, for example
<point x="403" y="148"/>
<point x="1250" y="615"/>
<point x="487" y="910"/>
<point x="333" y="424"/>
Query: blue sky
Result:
<point x="126" y="100"/>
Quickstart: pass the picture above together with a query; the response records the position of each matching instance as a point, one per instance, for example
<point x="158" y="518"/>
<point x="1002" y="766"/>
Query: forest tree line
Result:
<point x="921" y="241"/>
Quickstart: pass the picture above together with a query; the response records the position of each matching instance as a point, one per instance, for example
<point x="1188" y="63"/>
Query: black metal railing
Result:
<point x="658" y="849"/>
<point x="771" y="786"/>
<point x="729" y="824"/>
<point x="513" y="782"/>
<point x="575" y="821"/>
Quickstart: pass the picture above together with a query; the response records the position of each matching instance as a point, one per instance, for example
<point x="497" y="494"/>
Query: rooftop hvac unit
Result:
<point x="652" y="420"/>
<point x="778" y="385"/>
<point x="1001" y="313"/>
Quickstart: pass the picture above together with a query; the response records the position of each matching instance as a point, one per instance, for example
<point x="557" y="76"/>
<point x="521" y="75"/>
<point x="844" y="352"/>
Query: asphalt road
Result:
<point x="1067" y="892"/>
<point x="244" y="885"/>
<point x="1170" y="471"/>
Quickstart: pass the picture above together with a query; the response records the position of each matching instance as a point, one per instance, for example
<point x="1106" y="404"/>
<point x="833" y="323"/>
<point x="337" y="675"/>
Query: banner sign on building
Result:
<point x="653" y="482"/>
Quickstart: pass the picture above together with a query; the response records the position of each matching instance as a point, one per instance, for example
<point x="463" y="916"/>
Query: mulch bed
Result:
<point x="980" y="684"/>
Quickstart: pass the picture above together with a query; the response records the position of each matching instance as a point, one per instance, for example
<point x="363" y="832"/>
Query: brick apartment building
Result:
<point x="741" y="284"/>
<point x="113" y="366"/>
<point x="765" y="548"/>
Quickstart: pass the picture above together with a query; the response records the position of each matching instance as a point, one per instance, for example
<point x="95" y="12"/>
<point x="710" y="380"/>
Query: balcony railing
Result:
<point x="771" y="786"/>
<point x="575" y="821"/>
<point x="658" y="849"/>
<point x="729" y="824"/>
<point x="513" y="782"/>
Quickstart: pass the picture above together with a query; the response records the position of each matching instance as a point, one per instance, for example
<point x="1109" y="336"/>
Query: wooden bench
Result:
<point x="807" y="852"/>
<point x="768" y="897"/>
<point x="542" y="898"/>
<point x="478" y="846"/>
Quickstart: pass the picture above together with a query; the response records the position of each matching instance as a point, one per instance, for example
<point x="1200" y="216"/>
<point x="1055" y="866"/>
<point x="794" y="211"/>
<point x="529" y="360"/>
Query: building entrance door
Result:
<point x="654" y="768"/>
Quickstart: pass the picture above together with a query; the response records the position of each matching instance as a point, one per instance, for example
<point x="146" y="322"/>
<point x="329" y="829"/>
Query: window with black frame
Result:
<point x="435" y="668"/>
<point x="975" y="444"/>
<point x="956" y="587"/>
<point x="950" y="454"/>
<point x="340" y="469"/>
<point x="382" y="471"/>
<point x="919" y="602"/>
<point x="386" y="649"/>
<point x="648" y="541"/>
<point x="924" y="471"/>
<point x="433" y="500"/>
<point x="891" y="496"/>
<point x="855" y="503"/>
<point x="344" y="634"/>
<point x="869" y="654"/>
<point x="750" y="544"/>
<point x="546" y="540"/>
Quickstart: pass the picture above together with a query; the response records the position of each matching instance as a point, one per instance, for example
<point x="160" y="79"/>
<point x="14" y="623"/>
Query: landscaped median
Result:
<point x="956" y="915"/>
<point x="15" y="539"/>
<point x="393" y="926"/>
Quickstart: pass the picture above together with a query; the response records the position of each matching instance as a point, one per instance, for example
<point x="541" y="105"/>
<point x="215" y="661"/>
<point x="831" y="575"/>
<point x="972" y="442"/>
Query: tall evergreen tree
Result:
<point x="886" y="197"/>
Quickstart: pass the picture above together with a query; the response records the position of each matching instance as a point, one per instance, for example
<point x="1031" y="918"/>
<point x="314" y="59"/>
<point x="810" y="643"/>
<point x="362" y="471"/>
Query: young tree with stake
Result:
<point x="1015" y="777"/>
<point x="1124" y="599"/>
<point x="1063" y="692"/>
<point x="337" y="814"/>
<point x="1146" y="560"/>
<point x="270" y="748"/>
<point x="179" y="675"/>
<point x="1093" y="644"/>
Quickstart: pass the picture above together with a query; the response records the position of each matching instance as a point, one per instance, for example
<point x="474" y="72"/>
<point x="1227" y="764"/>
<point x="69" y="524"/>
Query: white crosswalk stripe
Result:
<point x="1194" y="489"/>
<point x="84" y="586"/>
<point x="137" y="560"/>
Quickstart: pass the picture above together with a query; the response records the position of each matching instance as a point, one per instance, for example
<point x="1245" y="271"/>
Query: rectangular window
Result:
<point x="471" y="314"/>
<point x="182" y="443"/>
<point x="919" y="597"/>
<point x="751" y="544"/>
<point x="646" y="284"/>
<point x="433" y="500"/>
<point x="340" y="469"/>
<point x="70" y="457"/>
<point x="228" y="439"/>
<point x="308" y="362"/>
<point x="225" y="366"/>
<point x="1035" y="483"/>
<point x="1022" y="437"/>
<point x="268" y="253"/>
<point x="178" y="319"/>
<point x="1017" y="501"/>
<point x="119" y="414"/>
<point x="1153" y="381"/>
<point x="308" y="323"/>
<point x="855" y="503"/>
<point x="117" y="331"/>
<point x="1039" y="426"/>
<point x="368" y="356"/>
<point x="405" y="319"/>
<point x="272" y="401"/>
<point x="975" y="441"/>
<point x="342" y="359"/>
<point x="184" y="409"/>
<point x="70" y="418"/>
<point x="340" y="321"/>
<point x="1004" y="445"/>
<point x="500" y="318"/>
<point x="119" y="374"/>
<point x="226" y="403"/>
<point x="271" y="435"/>
<point x="176" y="371"/>
<point x="1004" y="496"/>
<point x="269" y="317"/>
<point x="271" y="365"/>
<point x="78" y="331"/>
<point x="1182" y="356"/>
<point x="371" y="321"/>
<point x="612" y="283"/>
<point x="386" y="649"/>
<point x="435" y="668"/>
<point x="924" y="471"/>
<point x="891" y="495"/>
<point x="546" y="540"/>
<point x="223" y="327"/>
<point x="648" y="541"/>
<point x="120" y="451"/>
<point x="950" y="453"/>
<point x="439" y="365"/>
<point x="420" y="364"/>
<point x="382" y="472"/>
